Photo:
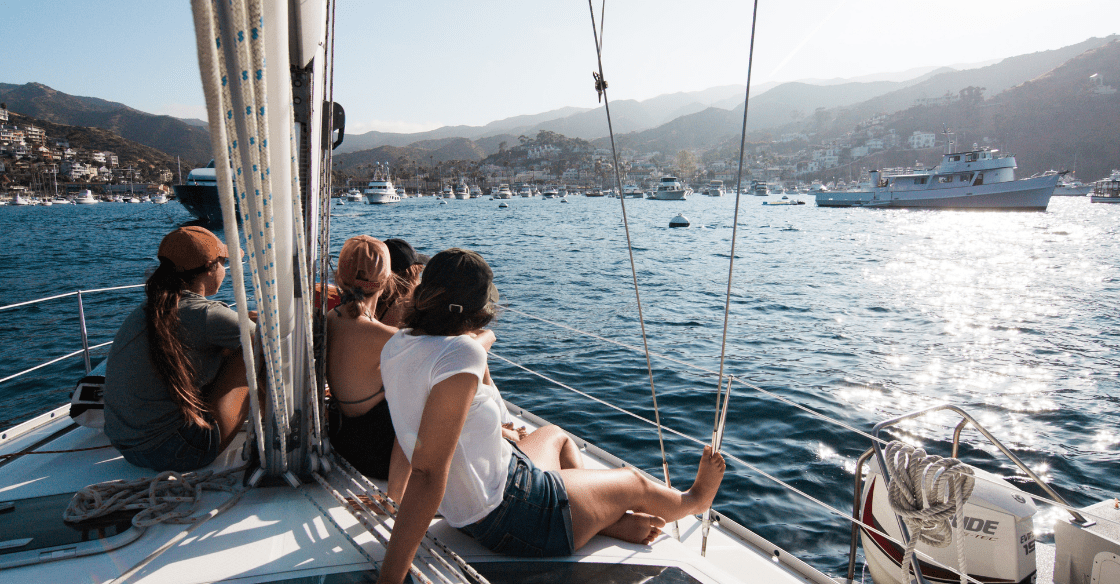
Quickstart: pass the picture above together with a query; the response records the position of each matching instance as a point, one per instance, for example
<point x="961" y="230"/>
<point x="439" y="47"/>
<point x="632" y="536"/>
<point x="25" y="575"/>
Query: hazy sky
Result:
<point x="411" y="66"/>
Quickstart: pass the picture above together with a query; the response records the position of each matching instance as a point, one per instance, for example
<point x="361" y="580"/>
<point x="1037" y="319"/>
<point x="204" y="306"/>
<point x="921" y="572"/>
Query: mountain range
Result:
<point x="667" y="123"/>
<point x="166" y="133"/>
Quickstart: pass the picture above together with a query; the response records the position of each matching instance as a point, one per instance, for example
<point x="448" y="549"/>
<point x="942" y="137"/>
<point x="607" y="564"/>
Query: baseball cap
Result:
<point x="363" y="263"/>
<point x="191" y="248"/>
<point x="403" y="256"/>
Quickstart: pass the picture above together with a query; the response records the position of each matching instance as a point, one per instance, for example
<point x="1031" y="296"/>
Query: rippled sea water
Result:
<point x="856" y="314"/>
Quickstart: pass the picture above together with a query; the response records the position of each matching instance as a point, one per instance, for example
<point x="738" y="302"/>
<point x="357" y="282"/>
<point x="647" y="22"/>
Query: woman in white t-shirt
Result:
<point x="528" y="497"/>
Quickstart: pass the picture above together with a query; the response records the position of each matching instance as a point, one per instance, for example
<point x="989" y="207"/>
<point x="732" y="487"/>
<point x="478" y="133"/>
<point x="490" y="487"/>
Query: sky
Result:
<point x="418" y="65"/>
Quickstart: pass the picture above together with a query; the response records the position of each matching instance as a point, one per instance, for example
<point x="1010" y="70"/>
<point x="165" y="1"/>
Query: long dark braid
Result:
<point x="165" y="347"/>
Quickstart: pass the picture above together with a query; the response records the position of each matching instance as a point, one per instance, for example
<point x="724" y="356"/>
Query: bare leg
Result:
<point x="550" y="448"/>
<point x="600" y="498"/>
<point x="399" y="472"/>
<point x="228" y="397"/>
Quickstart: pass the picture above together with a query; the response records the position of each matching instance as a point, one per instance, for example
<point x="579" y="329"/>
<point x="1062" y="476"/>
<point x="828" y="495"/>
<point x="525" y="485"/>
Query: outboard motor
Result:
<point x="998" y="534"/>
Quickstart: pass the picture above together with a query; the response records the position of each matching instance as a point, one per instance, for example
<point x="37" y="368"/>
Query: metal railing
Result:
<point x="966" y="419"/>
<point x="84" y="331"/>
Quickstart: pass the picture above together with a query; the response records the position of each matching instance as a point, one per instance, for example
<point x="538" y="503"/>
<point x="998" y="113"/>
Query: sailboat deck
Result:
<point x="276" y="534"/>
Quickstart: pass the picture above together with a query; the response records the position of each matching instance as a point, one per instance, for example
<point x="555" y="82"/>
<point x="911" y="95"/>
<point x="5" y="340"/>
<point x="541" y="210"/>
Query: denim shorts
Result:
<point x="191" y="447"/>
<point x="533" y="519"/>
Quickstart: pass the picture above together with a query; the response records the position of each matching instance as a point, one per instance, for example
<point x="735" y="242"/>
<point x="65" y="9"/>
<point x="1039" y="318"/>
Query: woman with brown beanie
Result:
<point x="176" y="393"/>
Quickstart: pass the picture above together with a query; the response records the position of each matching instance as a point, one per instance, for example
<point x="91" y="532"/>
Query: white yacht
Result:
<point x="278" y="505"/>
<point x="760" y="189"/>
<point x="551" y="192"/>
<point x="715" y="188"/>
<point x="86" y="198"/>
<point x="977" y="179"/>
<point x="448" y="192"/>
<point x="380" y="189"/>
<point x="1071" y="187"/>
<point x="476" y="192"/>
<point x="632" y="191"/>
<point x="503" y="192"/>
<point x="353" y="196"/>
<point x="159" y="198"/>
<point x="671" y="189"/>
<point x="1106" y="190"/>
<point x="402" y="193"/>
<point x="525" y="191"/>
<point x="462" y="192"/>
<point x="19" y="201"/>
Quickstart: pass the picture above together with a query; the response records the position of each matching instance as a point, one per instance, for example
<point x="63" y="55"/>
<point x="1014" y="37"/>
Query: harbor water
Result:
<point x="857" y="315"/>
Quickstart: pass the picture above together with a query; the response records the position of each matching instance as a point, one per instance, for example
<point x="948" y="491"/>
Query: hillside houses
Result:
<point x="27" y="150"/>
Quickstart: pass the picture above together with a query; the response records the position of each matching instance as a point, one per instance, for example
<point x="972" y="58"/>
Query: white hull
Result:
<point x="1068" y="191"/>
<point x="1032" y="194"/>
<point x="680" y="195"/>
<point x="383" y="199"/>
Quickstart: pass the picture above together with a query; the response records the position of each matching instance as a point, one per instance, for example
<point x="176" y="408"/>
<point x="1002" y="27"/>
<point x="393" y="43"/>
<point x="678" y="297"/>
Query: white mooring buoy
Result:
<point x="503" y="205"/>
<point x="679" y="221"/>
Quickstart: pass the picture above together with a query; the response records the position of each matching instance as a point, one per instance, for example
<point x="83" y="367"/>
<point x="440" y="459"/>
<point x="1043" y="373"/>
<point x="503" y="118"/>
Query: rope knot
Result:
<point x="600" y="85"/>
<point x="928" y="492"/>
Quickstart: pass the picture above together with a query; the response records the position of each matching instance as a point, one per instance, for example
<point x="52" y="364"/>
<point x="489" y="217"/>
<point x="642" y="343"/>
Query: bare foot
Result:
<point x="708" y="478"/>
<point x="636" y="528"/>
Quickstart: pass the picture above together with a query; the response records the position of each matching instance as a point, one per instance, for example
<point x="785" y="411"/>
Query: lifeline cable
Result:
<point x="829" y="508"/>
<point x="767" y="393"/>
<point x="601" y="87"/>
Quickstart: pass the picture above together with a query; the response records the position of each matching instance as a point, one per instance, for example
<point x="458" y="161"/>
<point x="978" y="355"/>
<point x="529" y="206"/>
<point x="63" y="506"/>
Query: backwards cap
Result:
<point x="191" y="248"/>
<point x="363" y="263"/>
<point x="403" y="256"/>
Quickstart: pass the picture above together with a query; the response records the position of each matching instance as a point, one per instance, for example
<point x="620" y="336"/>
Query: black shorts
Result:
<point x="365" y="441"/>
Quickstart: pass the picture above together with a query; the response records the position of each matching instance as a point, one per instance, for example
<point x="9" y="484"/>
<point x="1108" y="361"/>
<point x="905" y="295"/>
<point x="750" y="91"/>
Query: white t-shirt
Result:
<point x="410" y="366"/>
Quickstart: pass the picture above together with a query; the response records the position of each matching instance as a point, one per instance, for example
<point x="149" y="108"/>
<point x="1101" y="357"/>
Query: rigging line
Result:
<point x="738" y="380"/>
<point x="602" y="87"/>
<point x="600" y="401"/>
<point x="735" y="221"/>
<point x="844" y="515"/>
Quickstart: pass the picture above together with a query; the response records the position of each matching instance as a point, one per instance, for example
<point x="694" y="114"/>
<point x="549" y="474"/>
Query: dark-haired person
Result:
<point x="406" y="265"/>
<point x="360" y="427"/>
<point x="513" y="498"/>
<point x="176" y="393"/>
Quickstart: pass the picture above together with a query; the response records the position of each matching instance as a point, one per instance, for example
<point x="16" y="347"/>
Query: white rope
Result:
<point x="846" y="516"/>
<point x="158" y="498"/>
<point x="929" y="499"/>
<point x="207" y="41"/>
<point x="238" y="58"/>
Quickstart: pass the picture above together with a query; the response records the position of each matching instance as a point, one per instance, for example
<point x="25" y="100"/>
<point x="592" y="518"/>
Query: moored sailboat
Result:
<point x="296" y="522"/>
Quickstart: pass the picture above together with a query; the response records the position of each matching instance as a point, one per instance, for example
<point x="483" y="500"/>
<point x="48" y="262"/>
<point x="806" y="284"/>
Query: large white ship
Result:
<point x="380" y="189"/>
<point x="977" y="179"/>
<point x="671" y="189"/>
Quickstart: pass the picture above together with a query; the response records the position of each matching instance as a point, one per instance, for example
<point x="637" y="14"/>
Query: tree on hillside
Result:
<point x="686" y="164"/>
<point x="972" y="95"/>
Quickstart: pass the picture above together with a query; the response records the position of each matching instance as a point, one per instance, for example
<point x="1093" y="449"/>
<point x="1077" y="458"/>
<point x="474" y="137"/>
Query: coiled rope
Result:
<point x="929" y="498"/>
<point x="159" y="498"/>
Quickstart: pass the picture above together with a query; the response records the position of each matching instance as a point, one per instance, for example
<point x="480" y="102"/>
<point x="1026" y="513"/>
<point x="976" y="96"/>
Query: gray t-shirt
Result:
<point x="139" y="410"/>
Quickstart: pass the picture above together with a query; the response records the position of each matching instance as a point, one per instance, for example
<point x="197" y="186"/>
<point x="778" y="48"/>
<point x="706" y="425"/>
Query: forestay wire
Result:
<point x="721" y="409"/>
<point x="601" y="88"/>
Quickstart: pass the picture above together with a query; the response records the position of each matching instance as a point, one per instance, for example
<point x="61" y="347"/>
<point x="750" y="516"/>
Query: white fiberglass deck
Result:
<point x="275" y="533"/>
